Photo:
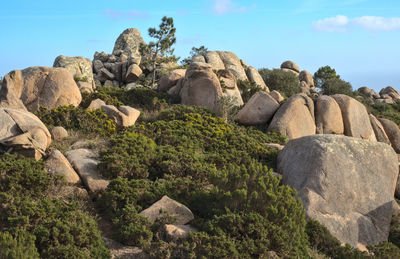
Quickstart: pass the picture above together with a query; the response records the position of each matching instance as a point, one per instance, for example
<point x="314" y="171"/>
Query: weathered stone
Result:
<point x="290" y="71"/>
<point x="131" y="115"/>
<point x="176" y="210"/>
<point x="213" y="58"/>
<point x="119" y="251"/>
<point x="57" y="164"/>
<point x="85" y="87"/>
<point x="170" y="79"/>
<point x="36" y="87"/>
<point x="232" y="63"/>
<point x="389" y="101"/>
<point x="85" y="162"/>
<point x="277" y="96"/>
<point x="306" y="77"/>
<point x="23" y="132"/>
<point x="258" y="110"/>
<point x="291" y="66"/>
<point x="255" y="77"/>
<point x="379" y="130"/>
<point x="102" y="56"/>
<point x="128" y="42"/>
<point x="201" y="87"/>
<point x="328" y="116"/>
<point x="79" y="67"/>
<point x="175" y="232"/>
<point x="96" y="104"/>
<point x="131" y="86"/>
<point x="199" y="58"/>
<point x="133" y="73"/>
<point x="229" y="87"/>
<point x="106" y="75"/>
<point x="326" y="171"/>
<point x="116" y="70"/>
<point x="391" y="92"/>
<point x="295" y="118"/>
<point x="275" y="145"/>
<point x="244" y="64"/>
<point x="366" y="91"/>
<point x="58" y="133"/>
<point x="108" y="83"/>
<point x="393" y="133"/>
<point x="355" y="118"/>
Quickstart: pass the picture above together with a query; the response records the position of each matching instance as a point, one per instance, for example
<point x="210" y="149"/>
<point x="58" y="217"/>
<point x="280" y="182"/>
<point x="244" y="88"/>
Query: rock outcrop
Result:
<point x="128" y="42"/>
<point x="295" y="118"/>
<point x="57" y="164"/>
<point x="328" y="116"/>
<point x="229" y="87"/>
<point x="36" y="87"/>
<point x="379" y="130"/>
<point x="290" y="65"/>
<point x="81" y="70"/>
<point x="258" y="110"/>
<point x="58" y="133"/>
<point x="326" y="171"/>
<point x="23" y="132"/>
<point x="170" y="79"/>
<point x="393" y="133"/>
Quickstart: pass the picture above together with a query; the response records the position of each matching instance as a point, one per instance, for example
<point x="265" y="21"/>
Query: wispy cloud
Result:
<point x="221" y="7"/>
<point x="341" y="23"/>
<point x="132" y="14"/>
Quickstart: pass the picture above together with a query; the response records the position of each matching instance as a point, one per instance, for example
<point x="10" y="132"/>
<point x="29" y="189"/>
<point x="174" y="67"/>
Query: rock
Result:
<point x="133" y="73"/>
<point x="97" y="65"/>
<point x="57" y="164"/>
<point x="277" y="96"/>
<point x="170" y="79"/>
<point x="131" y="115"/>
<point x="379" y="130"/>
<point x="232" y="63"/>
<point x="258" y="110"/>
<point x="106" y="75"/>
<point x="244" y="64"/>
<point x="199" y="58"/>
<point x="119" y="251"/>
<point x="175" y="232"/>
<point x="80" y="68"/>
<point x="178" y="211"/>
<point x="96" y="104"/>
<point x="102" y="56"/>
<point x="116" y="70"/>
<point x="23" y="132"/>
<point x="36" y="87"/>
<point x="275" y="145"/>
<point x="290" y="71"/>
<point x="391" y="92"/>
<point x="328" y="116"/>
<point x="326" y="171"/>
<point x="134" y="59"/>
<point x="393" y="133"/>
<point x="229" y="87"/>
<point x="366" y="91"/>
<point x="306" y="77"/>
<point x="86" y="87"/>
<point x="295" y="118"/>
<point x="355" y="118"/>
<point x="389" y="101"/>
<point x="201" y="87"/>
<point x="128" y="42"/>
<point x="58" y="133"/>
<point x="255" y="77"/>
<point x="85" y="162"/>
<point x="131" y="86"/>
<point x="215" y="61"/>
<point x="291" y="66"/>
<point x="304" y="88"/>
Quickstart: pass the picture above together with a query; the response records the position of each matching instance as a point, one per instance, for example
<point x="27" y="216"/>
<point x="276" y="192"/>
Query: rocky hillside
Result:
<point x="218" y="160"/>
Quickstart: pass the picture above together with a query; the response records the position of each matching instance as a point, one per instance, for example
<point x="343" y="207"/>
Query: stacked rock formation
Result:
<point x="305" y="77"/>
<point x="386" y="95"/>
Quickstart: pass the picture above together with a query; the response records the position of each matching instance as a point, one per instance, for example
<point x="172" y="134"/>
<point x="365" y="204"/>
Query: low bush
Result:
<point x="286" y="83"/>
<point x="78" y="119"/>
<point x="18" y="245"/>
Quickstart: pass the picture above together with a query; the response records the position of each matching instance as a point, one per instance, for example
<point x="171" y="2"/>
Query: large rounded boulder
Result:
<point x="128" y="42"/>
<point x="328" y="117"/>
<point x="345" y="183"/>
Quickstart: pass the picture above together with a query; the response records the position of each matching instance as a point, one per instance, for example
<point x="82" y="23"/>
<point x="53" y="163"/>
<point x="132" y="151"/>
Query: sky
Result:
<point x="359" y="38"/>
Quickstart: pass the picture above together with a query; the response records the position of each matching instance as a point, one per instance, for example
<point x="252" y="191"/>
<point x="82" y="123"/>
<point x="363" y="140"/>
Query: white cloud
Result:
<point x="341" y="23"/>
<point x="332" y="24"/>
<point x="221" y="7"/>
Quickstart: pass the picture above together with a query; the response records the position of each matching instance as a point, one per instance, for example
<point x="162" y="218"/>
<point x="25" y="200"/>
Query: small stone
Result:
<point x="58" y="133"/>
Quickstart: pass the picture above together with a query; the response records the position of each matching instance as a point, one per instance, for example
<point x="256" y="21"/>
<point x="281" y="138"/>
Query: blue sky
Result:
<point x="359" y="38"/>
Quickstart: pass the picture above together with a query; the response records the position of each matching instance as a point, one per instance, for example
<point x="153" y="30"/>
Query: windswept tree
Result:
<point x="330" y="83"/>
<point x="323" y="74"/>
<point x="160" y="51"/>
<point x="194" y="52"/>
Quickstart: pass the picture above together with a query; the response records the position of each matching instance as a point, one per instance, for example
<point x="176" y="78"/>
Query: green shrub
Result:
<point x="323" y="74"/>
<point x="286" y="83"/>
<point x="18" y="245"/>
<point x="79" y="119"/>
<point x="385" y="250"/>
<point x="385" y="110"/>
<point x="336" y="86"/>
<point x="394" y="234"/>
<point x="248" y="89"/>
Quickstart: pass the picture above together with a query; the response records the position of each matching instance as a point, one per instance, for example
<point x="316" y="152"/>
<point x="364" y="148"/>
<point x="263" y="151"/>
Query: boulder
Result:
<point x="290" y="71"/>
<point x="170" y="79"/>
<point x="232" y="63"/>
<point x="328" y="117"/>
<point x="85" y="162"/>
<point x="291" y="66"/>
<point x="124" y="116"/>
<point x="96" y="104"/>
<point x="258" y="110"/>
<point x="128" y="42"/>
<point x="389" y="101"/>
<point x="105" y="74"/>
<point x="58" y="133"/>
<point x="176" y="210"/>
<point x="102" y="56"/>
<point x="355" y="118"/>
<point x="80" y="68"/>
<point x="213" y="58"/>
<point x="393" y="133"/>
<point x="306" y="77"/>
<point x="131" y="86"/>
<point x="277" y="96"/>
<point x="201" y="87"/>
<point x="23" y="132"/>
<point x="97" y="65"/>
<point x="175" y="232"/>
<point x="133" y="73"/>
<point x="366" y="91"/>
<point x="391" y="92"/>
<point x="326" y="171"/>
<point x="229" y="87"/>
<point x="86" y="87"/>
<point x="379" y="130"/>
<point x="199" y="58"/>
<point x="255" y="77"/>
<point x="57" y="164"/>
<point x="295" y="118"/>
<point x="36" y="87"/>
